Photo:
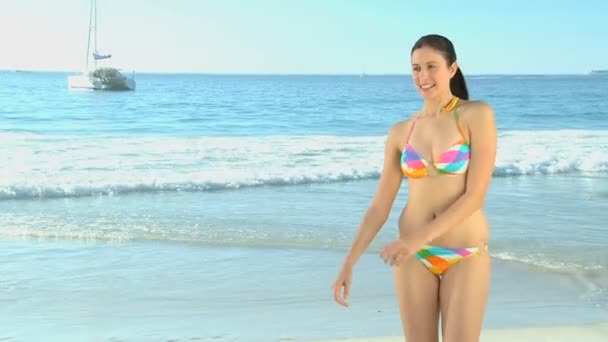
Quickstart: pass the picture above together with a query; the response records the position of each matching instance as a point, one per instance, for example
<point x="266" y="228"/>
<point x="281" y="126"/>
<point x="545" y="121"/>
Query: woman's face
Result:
<point x="431" y="73"/>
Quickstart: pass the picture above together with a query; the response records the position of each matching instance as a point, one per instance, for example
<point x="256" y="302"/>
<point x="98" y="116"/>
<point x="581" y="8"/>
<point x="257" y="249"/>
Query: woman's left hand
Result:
<point x="396" y="251"/>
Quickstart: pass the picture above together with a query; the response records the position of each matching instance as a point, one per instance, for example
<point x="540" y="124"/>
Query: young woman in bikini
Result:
<point x="447" y="153"/>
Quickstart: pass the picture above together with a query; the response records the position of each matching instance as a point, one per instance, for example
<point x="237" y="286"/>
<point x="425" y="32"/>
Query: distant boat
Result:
<point x="99" y="78"/>
<point x="599" y="72"/>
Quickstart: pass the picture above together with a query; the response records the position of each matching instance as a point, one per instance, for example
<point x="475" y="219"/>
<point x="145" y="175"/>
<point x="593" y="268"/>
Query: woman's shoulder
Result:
<point x="399" y="130"/>
<point x="475" y="108"/>
<point x="477" y="116"/>
<point x="402" y="126"/>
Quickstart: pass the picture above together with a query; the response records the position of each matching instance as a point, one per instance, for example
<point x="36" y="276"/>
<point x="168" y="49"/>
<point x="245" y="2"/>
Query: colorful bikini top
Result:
<point x="453" y="161"/>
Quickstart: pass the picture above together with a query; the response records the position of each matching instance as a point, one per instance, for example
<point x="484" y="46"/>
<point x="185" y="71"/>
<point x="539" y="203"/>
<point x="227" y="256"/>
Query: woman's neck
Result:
<point x="438" y="105"/>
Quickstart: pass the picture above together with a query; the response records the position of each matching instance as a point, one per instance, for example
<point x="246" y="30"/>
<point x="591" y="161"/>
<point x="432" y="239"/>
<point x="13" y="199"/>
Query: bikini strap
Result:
<point x="457" y="117"/>
<point x="411" y="130"/>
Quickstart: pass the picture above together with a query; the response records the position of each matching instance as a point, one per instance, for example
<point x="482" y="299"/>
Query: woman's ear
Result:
<point x="453" y="68"/>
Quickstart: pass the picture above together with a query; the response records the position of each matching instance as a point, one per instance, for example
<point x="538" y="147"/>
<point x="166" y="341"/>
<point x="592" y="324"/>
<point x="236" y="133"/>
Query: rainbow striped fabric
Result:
<point x="439" y="259"/>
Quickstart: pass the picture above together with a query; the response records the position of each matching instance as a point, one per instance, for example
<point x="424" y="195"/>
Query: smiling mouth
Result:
<point x="427" y="86"/>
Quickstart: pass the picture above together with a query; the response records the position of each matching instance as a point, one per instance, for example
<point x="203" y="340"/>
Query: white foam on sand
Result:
<point x="588" y="333"/>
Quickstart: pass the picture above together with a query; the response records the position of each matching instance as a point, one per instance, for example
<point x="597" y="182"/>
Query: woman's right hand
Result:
<point x="341" y="286"/>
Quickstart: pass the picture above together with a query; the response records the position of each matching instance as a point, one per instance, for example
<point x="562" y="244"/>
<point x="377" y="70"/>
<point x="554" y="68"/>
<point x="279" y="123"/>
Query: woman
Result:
<point x="447" y="152"/>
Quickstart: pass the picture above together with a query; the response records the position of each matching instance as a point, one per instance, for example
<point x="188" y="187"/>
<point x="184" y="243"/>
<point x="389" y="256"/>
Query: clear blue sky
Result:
<point x="305" y="36"/>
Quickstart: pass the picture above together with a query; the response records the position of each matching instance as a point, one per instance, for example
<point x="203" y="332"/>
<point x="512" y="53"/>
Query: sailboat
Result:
<point x="99" y="78"/>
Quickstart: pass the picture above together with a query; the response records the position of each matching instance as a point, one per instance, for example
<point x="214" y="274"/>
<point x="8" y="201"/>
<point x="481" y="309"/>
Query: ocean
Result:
<point x="220" y="207"/>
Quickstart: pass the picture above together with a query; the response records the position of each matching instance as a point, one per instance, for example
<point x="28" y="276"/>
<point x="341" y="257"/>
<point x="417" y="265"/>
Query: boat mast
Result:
<point x="86" y="69"/>
<point x="95" y="28"/>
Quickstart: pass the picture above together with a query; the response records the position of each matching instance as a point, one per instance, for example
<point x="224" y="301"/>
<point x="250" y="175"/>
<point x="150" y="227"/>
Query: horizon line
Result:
<point x="361" y="74"/>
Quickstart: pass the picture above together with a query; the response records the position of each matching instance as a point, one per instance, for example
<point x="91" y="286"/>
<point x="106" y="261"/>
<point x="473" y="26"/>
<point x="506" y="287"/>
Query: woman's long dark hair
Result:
<point x="458" y="86"/>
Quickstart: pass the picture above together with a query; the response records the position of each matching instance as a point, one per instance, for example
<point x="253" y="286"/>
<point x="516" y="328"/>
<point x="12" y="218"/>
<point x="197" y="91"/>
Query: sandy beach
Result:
<point x="588" y="333"/>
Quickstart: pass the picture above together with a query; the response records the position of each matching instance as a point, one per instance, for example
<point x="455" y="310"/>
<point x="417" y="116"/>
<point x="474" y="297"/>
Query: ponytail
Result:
<point x="458" y="86"/>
